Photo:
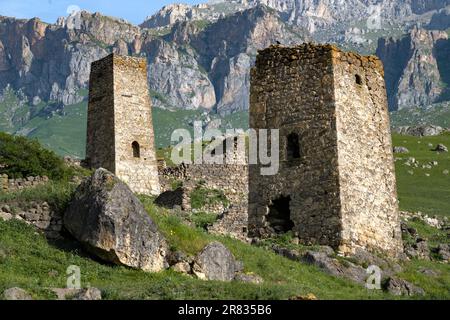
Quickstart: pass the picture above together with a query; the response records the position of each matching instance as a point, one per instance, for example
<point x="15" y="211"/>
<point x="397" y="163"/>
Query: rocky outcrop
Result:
<point x="176" y="74"/>
<point x="440" y="20"/>
<point x="311" y="14"/>
<point x="77" y="294"/>
<point x="413" y="68"/>
<point x="199" y="56"/>
<point x="419" y="131"/>
<point x="400" y="287"/>
<point x="111" y="222"/>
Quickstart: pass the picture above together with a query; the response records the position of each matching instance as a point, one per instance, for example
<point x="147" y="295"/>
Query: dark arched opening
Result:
<point x="136" y="149"/>
<point x="279" y="217"/>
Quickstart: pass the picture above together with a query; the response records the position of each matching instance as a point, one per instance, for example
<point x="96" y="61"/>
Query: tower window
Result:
<point x="136" y="149"/>
<point x="293" y="146"/>
<point x="358" y="79"/>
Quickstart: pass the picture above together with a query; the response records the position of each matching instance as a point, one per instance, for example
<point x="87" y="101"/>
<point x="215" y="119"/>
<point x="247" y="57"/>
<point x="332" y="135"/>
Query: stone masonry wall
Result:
<point x="231" y="179"/>
<point x="7" y="184"/>
<point x="292" y="89"/>
<point x="370" y="216"/>
<point x="100" y="151"/>
<point x="133" y="123"/>
<point x="120" y="130"/>
<point x="339" y="188"/>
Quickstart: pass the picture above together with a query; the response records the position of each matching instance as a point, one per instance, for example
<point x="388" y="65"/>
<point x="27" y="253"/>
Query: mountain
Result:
<point x="199" y="57"/>
<point x="416" y="68"/>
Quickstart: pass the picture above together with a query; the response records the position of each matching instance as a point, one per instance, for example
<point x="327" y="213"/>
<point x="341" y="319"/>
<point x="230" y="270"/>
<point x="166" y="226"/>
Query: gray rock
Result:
<point x="441" y="148"/>
<point x="335" y="267"/>
<point x="420" y="131"/>
<point x="250" y="278"/>
<point x="429" y="272"/>
<point x="5" y="216"/>
<point x="419" y="250"/>
<point x="16" y="294"/>
<point x="389" y="266"/>
<point x="112" y="223"/>
<point x="88" y="294"/>
<point x="443" y="251"/>
<point x="400" y="150"/>
<point x="215" y="262"/>
<point x="182" y="267"/>
<point x="400" y="287"/>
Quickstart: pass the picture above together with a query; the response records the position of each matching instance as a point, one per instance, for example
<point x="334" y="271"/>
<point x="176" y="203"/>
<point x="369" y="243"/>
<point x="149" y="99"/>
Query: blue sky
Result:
<point x="134" y="11"/>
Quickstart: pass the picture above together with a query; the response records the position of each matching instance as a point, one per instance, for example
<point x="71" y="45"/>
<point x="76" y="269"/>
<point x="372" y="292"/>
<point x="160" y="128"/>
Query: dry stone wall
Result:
<point x="7" y="184"/>
<point x="232" y="180"/>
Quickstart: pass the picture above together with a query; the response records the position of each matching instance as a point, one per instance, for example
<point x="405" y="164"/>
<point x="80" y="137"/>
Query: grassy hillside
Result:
<point x="29" y="261"/>
<point x="439" y="115"/>
<point x="419" y="189"/>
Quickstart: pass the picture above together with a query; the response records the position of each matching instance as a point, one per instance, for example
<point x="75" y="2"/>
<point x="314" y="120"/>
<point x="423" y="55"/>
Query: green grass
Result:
<point x="201" y="197"/>
<point x="418" y="192"/>
<point x="28" y="261"/>
<point x="56" y="194"/>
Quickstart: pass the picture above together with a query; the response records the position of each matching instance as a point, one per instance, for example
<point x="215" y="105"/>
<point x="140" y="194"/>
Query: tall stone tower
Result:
<point x="336" y="183"/>
<point x="120" y="134"/>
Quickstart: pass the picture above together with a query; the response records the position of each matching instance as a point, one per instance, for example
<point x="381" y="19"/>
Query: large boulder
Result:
<point x="112" y="223"/>
<point x="215" y="262"/>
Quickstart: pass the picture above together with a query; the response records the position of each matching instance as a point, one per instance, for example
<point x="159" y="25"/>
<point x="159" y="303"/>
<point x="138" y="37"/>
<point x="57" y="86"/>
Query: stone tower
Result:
<point x="120" y="134"/>
<point x="336" y="183"/>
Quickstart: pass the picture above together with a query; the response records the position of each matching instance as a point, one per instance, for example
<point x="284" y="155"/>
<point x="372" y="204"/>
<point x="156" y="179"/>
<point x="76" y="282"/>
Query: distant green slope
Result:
<point x="438" y="115"/>
<point x="417" y="191"/>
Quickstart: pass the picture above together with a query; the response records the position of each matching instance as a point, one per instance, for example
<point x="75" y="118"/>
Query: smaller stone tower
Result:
<point x="336" y="183"/>
<point x="120" y="134"/>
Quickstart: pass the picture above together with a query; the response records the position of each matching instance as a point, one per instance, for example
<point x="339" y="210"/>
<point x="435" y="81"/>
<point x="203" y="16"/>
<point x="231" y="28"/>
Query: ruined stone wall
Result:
<point x="231" y="179"/>
<point x="133" y="123"/>
<point x="120" y="129"/>
<point x="370" y="217"/>
<point x="7" y="184"/>
<point x="292" y="90"/>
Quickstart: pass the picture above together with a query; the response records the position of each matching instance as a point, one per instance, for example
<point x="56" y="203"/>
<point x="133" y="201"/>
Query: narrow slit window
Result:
<point x="358" y="80"/>
<point x="293" y="146"/>
<point x="136" y="149"/>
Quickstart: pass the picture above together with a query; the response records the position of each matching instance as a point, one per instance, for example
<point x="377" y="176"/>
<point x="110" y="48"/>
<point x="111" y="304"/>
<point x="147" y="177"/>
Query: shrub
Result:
<point x="21" y="157"/>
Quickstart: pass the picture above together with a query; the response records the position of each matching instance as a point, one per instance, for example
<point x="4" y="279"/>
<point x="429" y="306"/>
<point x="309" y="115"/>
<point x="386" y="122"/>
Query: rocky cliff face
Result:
<point x="191" y="65"/>
<point x="415" y="67"/>
<point x="200" y="56"/>
<point x="311" y="14"/>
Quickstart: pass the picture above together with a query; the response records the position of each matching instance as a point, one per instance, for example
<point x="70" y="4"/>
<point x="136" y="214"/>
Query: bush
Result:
<point x="21" y="157"/>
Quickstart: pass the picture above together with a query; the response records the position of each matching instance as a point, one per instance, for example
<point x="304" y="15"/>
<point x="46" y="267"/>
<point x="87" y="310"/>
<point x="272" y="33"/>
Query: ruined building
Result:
<point x="120" y="134"/>
<point x="336" y="184"/>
